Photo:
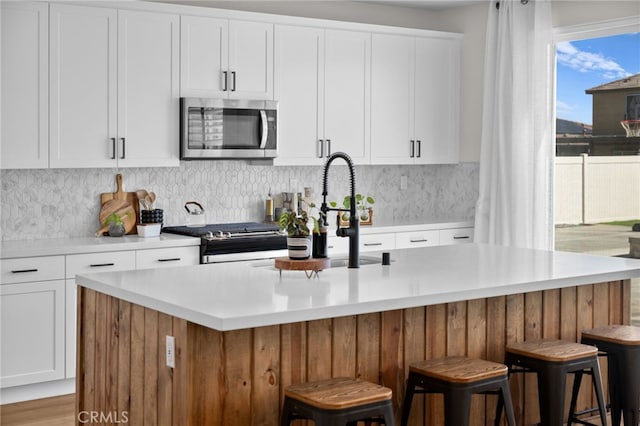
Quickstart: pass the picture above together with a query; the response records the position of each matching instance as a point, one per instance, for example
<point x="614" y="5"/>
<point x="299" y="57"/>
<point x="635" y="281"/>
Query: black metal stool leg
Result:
<point x="505" y="398"/>
<point x="577" y="380"/>
<point x="457" y="406"/>
<point x="551" y="390"/>
<point x="597" y="387"/>
<point x="408" y="398"/>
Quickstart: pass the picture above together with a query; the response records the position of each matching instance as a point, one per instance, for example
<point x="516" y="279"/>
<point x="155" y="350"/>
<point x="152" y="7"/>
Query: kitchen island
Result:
<point x="243" y="331"/>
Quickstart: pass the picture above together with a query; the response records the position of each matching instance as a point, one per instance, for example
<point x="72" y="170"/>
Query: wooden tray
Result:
<point x="310" y="266"/>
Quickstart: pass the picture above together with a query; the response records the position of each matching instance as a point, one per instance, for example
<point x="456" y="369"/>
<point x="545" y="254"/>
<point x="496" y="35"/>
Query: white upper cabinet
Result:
<point x="226" y="58"/>
<point x="114" y="96"/>
<point x="415" y="99"/>
<point x="148" y="89"/>
<point x="322" y="89"/>
<point x="25" y="91"/>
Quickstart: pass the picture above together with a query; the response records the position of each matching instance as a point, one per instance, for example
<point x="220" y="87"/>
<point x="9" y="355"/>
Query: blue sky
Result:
<point x="583" y="64"/>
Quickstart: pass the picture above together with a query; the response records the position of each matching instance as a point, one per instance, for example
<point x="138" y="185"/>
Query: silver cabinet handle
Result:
<point x="419" y="148"/>
<point x="173" y="259"/>
<point x="233" y="79"/>
<point x="100" y="265"/>
<point x="328" y="147"/>
<point x="372" y="244"/>
<point x="412" y="148"/>
<point x="113" y="147"/>
<point x="320" y="151"/>
<point x="224" y="81"/>
<point x="22" y="271"/>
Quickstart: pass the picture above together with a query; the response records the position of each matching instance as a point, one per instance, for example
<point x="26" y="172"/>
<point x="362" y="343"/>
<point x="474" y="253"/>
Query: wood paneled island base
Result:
<point x="238" y="377"/>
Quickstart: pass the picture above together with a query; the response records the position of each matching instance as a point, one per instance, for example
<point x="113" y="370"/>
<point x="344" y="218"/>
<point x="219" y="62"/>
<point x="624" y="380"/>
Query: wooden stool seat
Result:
<point x="336" y="401"/>
<point x="336" y="394"/>
<point x="458" y="378"/>
<point x="552" y="350"/>
<point x="620" y="334"/>
<point x="459" y="369"/>
<point x="621" y="345"/>
<point x="552" y="361"/>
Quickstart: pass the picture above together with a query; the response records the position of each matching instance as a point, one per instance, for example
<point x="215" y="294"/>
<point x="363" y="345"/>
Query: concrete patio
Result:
<point x="606" y="240"/>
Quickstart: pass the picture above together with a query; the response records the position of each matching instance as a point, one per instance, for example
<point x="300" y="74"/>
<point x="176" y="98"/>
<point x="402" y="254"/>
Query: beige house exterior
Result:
<point x="613" y="102"/>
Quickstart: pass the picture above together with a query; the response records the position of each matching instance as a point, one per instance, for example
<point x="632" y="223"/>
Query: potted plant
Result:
<point x="116" y="224"/>
<point x="298" y="233"/>
<point x="363" y="207"/>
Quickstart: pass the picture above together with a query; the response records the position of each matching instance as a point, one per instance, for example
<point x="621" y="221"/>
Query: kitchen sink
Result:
<point x="343" y="261"/>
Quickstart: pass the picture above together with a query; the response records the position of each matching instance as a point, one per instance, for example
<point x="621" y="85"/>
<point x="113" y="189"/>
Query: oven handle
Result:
<point x="265" y="129"/>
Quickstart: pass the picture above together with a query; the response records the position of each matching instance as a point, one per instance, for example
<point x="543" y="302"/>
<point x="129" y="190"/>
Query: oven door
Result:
<point x="221" y="128"/>
<point x="237" y="257"/>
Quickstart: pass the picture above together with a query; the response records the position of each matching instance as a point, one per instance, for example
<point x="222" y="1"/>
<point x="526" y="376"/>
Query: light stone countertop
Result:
<point x="241" y="295"/>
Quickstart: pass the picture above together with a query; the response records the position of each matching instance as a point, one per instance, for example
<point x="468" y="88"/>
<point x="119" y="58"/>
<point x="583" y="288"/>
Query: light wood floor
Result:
<point x="57" y="411"/>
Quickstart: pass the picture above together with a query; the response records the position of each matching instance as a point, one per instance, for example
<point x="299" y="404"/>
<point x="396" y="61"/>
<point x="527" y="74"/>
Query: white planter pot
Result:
<point x="299" y="247"/>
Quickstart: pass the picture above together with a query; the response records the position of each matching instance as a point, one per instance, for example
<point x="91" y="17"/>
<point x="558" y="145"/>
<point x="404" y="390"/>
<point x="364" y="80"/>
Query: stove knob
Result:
<point x="228" y="235"/>
<point x="209" y="235"/>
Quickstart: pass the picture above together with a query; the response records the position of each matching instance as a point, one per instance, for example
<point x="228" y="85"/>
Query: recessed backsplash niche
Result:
<point x="58" y="203"/>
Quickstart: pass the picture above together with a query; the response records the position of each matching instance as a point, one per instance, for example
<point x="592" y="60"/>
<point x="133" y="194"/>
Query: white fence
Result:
<point x="597" y="189"/>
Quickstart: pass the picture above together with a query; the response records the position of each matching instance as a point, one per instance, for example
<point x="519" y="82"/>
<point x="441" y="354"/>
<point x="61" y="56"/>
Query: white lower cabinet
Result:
<point x="456" y="236"/>
<point x="167" y="257"/>
<point x="32" y="309"/>
<point x="374" y="242"/>
<point x="414" y="239"/>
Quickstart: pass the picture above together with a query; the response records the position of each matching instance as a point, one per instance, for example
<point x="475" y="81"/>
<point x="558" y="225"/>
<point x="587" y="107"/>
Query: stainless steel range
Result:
<point x="229" y="242"/>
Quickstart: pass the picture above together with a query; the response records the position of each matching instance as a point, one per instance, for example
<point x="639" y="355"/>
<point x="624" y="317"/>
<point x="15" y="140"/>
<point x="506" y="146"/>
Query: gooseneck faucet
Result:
<point x="353" y="231"/>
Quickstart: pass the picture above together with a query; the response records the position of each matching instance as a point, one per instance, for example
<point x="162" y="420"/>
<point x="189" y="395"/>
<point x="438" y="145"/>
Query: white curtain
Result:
<point x="517" y="144"/>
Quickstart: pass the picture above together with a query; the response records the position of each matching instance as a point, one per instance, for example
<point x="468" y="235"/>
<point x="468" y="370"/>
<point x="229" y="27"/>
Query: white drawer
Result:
<point x="100" y="262"/>
<point x="413" y="239"/>
<point x="172" y="256"/>
<point x="456" y="236"/>
<point x="337" y="245"/>
<point x="373" y="242"/>
<point x="30" y="269"/>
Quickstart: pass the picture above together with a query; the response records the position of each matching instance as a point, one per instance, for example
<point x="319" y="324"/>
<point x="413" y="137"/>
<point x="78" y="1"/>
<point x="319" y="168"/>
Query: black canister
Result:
<point x="319" y="248"/>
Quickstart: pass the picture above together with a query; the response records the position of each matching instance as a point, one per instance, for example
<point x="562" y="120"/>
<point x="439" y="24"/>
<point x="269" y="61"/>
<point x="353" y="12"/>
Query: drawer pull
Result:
<point x="462" y="237"/>
<point x="173" y="259"/>
<point x="100" y="265"/>
<point x="329" y="246"/>
<point x="372" y="244"/>
<point x="22" y="271"/>
<point x="424" y="240"/>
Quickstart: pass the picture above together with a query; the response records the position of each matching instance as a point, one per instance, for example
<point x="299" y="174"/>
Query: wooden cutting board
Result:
<point x="130" y="197"/>
<point x="121" y="208"/>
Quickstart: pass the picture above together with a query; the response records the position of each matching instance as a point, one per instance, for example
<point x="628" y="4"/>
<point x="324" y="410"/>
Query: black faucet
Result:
<point x="353" y="231"/>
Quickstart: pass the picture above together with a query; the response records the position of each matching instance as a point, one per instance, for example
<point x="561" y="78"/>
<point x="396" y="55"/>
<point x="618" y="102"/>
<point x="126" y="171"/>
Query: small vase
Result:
<point x="116" y="230"/>
<point x="299" y="247"/>
<point x="320" y="244"/>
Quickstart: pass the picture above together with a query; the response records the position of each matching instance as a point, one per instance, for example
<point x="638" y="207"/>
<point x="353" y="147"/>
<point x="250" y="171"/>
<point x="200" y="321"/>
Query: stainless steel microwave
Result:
<point x="228" y="128"/>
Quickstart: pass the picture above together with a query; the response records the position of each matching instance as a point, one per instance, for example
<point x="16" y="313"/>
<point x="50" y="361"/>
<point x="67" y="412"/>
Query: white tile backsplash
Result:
<point x="58" y="203"/>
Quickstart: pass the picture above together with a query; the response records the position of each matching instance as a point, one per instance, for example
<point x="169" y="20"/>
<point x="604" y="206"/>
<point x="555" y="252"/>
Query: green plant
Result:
<point x="116" y="219"/>
<point x="294" y="224"/>
<point x="363" y="203"/>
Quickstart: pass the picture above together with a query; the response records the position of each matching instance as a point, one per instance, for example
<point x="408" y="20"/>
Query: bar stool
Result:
<point x="621" y="343"/>
<point x="457" y="378"/>
<point x="553" y="360"/>
<point x="337" y="401"/>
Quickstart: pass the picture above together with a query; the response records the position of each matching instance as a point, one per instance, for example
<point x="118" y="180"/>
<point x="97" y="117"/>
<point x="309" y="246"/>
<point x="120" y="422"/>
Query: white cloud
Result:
<point x="570" y="56"/>
<point x="563" y="108"/>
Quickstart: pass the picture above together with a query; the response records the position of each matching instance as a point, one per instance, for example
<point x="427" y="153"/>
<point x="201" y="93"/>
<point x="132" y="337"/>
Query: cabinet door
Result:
<point x="71" y="327"/>
<point x="167" y="257"/>
<point x="83" y="83"/>
<point x="413" y="239"/>
<point x="250" y="60"/>
<point x="33" y="334"/>
<point x="203" y="56"/>
<point x="456" y="236"/>
<point x="392" y="97"/>
<point x="148" y="89"/>
<point x="25" y="87"/>
<point x="298" y="90"/>
<point x="436" y="102"/>
<point x="347" y="71"/>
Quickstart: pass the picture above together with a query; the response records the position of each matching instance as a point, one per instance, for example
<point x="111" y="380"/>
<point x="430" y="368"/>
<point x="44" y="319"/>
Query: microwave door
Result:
<point x="264" y="134"/>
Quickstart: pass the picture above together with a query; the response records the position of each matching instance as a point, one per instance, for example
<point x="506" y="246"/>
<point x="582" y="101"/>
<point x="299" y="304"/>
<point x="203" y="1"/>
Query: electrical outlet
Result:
<point x="171" y="351"/>
<point x="403" y="182"/>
